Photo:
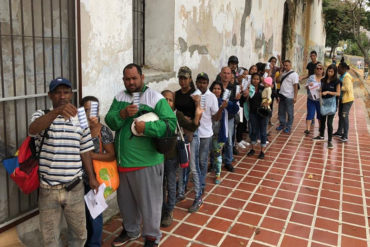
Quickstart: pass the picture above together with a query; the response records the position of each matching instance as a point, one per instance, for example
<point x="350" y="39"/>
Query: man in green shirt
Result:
<point x="139" y="163"/>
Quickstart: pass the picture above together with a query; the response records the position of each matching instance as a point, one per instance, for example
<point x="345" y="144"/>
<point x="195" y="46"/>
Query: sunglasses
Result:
<point x="319" y="68"/>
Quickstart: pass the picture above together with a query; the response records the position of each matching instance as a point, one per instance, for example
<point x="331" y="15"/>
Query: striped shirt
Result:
<point x="60" y="160"/>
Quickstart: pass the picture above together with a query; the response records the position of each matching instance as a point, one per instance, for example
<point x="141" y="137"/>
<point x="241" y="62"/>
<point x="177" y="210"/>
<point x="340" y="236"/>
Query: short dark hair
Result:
<point x="88" y="98"/>
<point x="168" y="91"/>
<point x="344" y="65"/>
<point x="313" y="52"/>
<point x="272" y="58"/>
<point x="287" y="61"/>
<point x="133" y="65"/>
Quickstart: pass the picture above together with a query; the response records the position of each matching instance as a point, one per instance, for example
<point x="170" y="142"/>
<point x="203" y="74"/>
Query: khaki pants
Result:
<point x="54" y="202"/>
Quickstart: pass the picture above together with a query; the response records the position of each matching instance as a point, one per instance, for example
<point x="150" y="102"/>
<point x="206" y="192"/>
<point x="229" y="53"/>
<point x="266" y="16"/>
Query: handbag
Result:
<point x="106" y="172"/>
<point x="183" y="149"/>
<point x="328" y="106"/>
<point x="167" y="143"/>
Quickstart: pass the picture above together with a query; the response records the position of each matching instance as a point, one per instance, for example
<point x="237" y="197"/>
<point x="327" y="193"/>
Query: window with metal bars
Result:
<point x="37" y="44"/>
<point x="138" y="11"/>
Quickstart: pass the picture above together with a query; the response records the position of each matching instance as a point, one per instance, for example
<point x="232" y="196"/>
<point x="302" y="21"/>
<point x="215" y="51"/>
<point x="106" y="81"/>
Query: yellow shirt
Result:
<point x="347" y="89"/>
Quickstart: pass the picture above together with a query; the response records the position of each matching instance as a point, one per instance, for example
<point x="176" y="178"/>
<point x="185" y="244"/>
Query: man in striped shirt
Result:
<point x="66" y="148"/>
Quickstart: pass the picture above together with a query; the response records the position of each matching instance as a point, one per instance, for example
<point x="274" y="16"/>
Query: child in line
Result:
<point x="266" y="93"/>
<point x="220" y="128"/>
<point x="171" y="163"/>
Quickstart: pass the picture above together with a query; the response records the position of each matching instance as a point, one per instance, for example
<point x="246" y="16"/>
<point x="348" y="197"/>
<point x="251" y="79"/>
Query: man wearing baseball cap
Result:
<point x="66" y="148"/>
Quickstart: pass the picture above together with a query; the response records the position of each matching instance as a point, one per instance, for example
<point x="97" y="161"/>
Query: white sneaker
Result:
<point x="245" y="143"/>
<point x="240" y="145"/>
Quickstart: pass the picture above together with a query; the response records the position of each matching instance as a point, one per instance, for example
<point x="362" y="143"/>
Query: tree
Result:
<point x="334" y="12"/>
<point x="359" y="17"/>
<point x="343" y="21"/>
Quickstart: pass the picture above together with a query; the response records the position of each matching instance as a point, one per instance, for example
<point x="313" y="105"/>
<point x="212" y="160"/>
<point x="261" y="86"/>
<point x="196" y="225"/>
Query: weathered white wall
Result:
<point x="208" y="32"/>
<point x="106" y="47"/>
<point x="159" y="34"/>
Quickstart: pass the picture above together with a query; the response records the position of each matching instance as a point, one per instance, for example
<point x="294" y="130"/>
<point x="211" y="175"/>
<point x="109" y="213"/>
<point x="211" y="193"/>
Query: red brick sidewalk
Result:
<point x="301" y="194"/>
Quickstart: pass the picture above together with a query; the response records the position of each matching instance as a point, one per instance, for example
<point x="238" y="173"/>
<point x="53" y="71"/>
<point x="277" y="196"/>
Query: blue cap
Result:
<point x="57" y="82"/>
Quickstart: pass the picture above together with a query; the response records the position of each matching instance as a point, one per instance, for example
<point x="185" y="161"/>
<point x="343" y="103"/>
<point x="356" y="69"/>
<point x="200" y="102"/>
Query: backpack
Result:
<point x="24" y="166"/>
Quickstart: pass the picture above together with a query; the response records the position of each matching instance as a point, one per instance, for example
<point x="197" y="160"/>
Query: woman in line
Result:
<point x="258" y="122"/>
<point x="104" y="151"/>
<point x="330" y="88"/>
<point x="220" y="128"/>
<point x="313" y="85"/>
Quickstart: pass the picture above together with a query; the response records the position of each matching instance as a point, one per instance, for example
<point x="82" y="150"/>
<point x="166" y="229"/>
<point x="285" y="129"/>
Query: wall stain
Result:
<point x="202" y="49"/>
<point x="259" y="42"/>
<point x="234" y="40"/>
<point x="183" y="45"/>
<point x="246" y="13"/>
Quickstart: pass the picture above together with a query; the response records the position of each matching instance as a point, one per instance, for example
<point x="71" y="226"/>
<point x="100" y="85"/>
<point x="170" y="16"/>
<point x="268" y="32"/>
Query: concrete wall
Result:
<point x="106" y="47"/>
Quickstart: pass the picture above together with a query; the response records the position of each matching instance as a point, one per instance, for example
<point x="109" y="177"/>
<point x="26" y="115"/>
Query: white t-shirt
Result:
<point x="287" y="88"/>
<point x="205" y="127"/>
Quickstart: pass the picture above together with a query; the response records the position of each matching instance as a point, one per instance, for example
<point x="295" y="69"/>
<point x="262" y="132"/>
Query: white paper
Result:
<point x="314" y="90"/>
<point x="96" y="202"/>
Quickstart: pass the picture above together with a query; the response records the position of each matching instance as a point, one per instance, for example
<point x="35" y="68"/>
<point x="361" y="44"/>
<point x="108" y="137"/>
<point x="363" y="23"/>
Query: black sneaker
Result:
<point x="330" y="145"/>
<point x="180" y="198"/>
<point x="229" y="167"/>
<point x="149" y="242"/>
<point x="123" y="238"/>
<point x="337" y="134"/>
<point x="344" y="139"/>
<point x="261" y="155"/>
<point x="251" y="152"/>
<point x="307" y="132"/>
<point x="167" y="219"/>
<point x="197" y="204"/>
<point x="318" y="138"/>
<point x="235" y="151"/>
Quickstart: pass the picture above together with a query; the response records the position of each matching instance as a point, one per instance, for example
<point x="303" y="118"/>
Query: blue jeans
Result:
<point x="286" y="107"/>
<point x="228" y="149"/>
<point x="193" y="167"/>
<point x="259" y="126"/>
<point x="94" y="226"/>
<point x="204" y="148"/>
<point x="169" y="184"/>
<point x="312" y="107"/>
<point x="344" y="118"/>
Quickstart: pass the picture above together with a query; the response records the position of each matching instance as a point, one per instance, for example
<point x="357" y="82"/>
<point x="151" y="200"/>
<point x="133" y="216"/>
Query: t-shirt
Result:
<point x="314" y="93"/>
<point x="331" y="87"/>
<point x="205" y="127"/>
<point x="60" y="159"/>
<point x="287" y="86"/>
<point x="184" y="103"/>
<point x="311" y="67"/>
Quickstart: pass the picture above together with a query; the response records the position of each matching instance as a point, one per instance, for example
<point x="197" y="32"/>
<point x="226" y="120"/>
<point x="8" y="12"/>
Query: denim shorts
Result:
<point x="312" y="107"/>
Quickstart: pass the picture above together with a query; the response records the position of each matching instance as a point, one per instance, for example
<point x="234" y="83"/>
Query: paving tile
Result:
<point x="174" y="241"/>
<point x="292" y="241"/>
<point x="227" y="213"/>
<point x="348" y="241"/>
<point x="267" y="236"/>
<point x="198" y="219"/>
<point x="243" y="230"/>
<point x="325" y="237"/>
<point x="253" y="208"/>
<point x="187" y="230"/>
<point x="233" y="241"/>
<point x="298" y="230"/>
<point x="209" y="237"/>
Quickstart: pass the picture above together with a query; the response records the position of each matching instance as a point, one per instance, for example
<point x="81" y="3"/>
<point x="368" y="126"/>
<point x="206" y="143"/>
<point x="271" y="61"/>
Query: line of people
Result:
<point x="214" y="118"/>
